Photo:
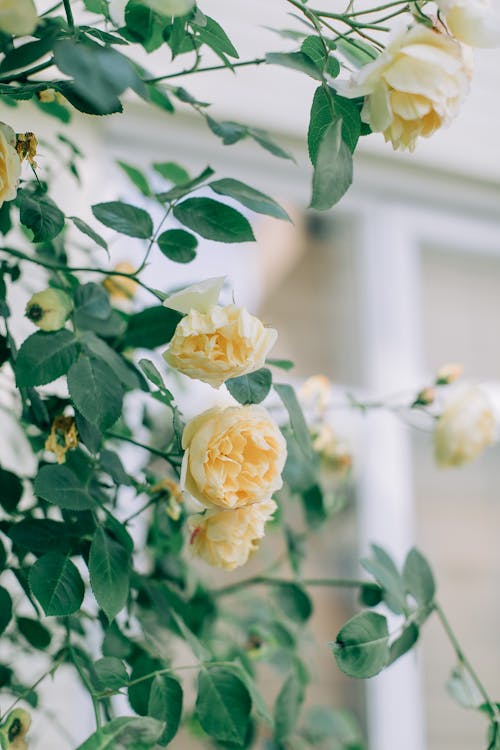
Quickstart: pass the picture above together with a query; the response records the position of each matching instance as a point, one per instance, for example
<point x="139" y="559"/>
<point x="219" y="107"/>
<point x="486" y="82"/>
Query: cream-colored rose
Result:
<point x="121" y="287"/>
<point x="227" y="538"/>
<point x="234" y="456"/>
<point x="223" y="343"/>
<point x="18" y="17"/>
<point x="14" y="729"/>
<point x="465" y="428"/>
<point x="449" y="373"/>
<point x="474" y="22"/>
<point x="10" y="164"/>
<point x="200" y="297"/>
<point x="414" y="87"/>
<point x="49" y="309"/>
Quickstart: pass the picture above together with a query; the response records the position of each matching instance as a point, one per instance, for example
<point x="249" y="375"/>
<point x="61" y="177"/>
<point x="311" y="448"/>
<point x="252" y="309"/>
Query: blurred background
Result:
<point x="400" y="278"/>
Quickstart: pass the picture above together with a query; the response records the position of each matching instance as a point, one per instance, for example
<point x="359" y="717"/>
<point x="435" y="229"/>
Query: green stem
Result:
<point x="463" y="660"/>
<point x="32" y="687"/>
<point x="267" y="581"/>
<point x="69" y="14"/>
<point x="25" y="73"/>
<point x="173" y="670"/>
<point x="86" y="682"/>
<point x="77" y="269"/>
<point x="210" y="68"/>
<point x="162" y="454"/>
<point x="154" y="238"/>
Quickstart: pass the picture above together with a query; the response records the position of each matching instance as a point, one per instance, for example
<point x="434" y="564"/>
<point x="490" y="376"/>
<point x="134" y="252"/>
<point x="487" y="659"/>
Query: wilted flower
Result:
<point x="449" y="373"/>
<point x="473" y="22"/>
<point x="121" y="287"/>
<point x="227" y="538"/>
<point x="49" y="309"/>
<point x="14" y="729"/>
<point x="26" y="145"/>
<point x="316" y="393"/>
<point x="173" y="491"/>
<point x="414" y="87"/>
<point x="465" y="428"/>
<point x="332" y="450"/>
<point x="63" y="437"/>
<point x="222" y="343"/>
<point x="18" y="17"/>
<point x="10" y="163"/>
<point x="234" y="456"/>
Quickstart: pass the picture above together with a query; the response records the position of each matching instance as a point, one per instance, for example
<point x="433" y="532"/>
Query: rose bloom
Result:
<point x="10" y="163"/>
<point x="234" y="456"/>
<point x="121" y="287"/>
<point x="414" y="87"/>
<point x="228" y="538"/>
<point x="222" y="343"/>
<point x="473" y="22"/>
<point x="465" y="428"/>
<point x="49" y="309"/>
<point x="14" y="730"/>
<point x="18" y="17"/>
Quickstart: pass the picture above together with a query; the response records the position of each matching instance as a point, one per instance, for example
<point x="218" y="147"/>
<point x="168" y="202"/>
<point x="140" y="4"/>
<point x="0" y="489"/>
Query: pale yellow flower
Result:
<point x="63" y="437"/>
<point x="223" y="343"/>
<point x="49" y="309"/>
<point x="465" y="428"/>
<point x="333" y="451"/>
<point x="227" y="538"/>
<point x="316" y="393"/>
<point x="18" y="17"/>
<point x="200" y="297"/>
<point x="415" y="87"/>
<point x="474" y="22"/>
<point x="449" y="373"/>
<point x="173" y="491"/>
<point x="10" y="164"/>
<point x="234" y="456"/>
<point x="121" y="287"/>
<point x="14" y="729"/>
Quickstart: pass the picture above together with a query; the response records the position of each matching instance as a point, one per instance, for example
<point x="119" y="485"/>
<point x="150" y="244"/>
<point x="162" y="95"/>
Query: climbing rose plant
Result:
<point x="109" y="570"/>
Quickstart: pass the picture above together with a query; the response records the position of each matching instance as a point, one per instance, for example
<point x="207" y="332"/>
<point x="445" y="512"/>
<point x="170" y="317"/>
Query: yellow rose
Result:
<point x="10" y="163"/>
<point x="227" y="538"/>
<point x="465" y="428"/>
<point x="49" y="309"/>
<point x="234" y="456"/>
<point x="18" y="17"/>
<point x="121" y="287"/>
<point x="414" y="87"/>
<point x="449" y="373"/>
<point x="14" y="729"/>
<point x="473" y="22"/>
<point x="222" y="343"/>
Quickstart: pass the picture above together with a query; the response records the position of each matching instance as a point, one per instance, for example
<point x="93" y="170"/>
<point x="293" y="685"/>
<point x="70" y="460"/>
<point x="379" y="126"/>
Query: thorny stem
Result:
<point x="76" y="269"/>
<point x="463" y="660"/>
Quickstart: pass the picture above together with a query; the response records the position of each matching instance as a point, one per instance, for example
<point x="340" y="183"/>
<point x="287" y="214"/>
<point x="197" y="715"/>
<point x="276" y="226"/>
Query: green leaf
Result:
<point x="282" y="364"/>
<point x="125" y="733"/>
<point x="44" y="357"/>
<point x="58" y="485"/>
<point x="152" y="373"/>
<point x="404" y="643"/>
<point x="320" y="118"/>
<point x="313" y="47"/>
<point x="322" y="723"/>
<point x="122" y="368"/>
<point x="27" y="54"/>
<point x="136" y="177"/>
<point x="463" y="689"/>
<point x="95" y="391"/>
<point x="297" y="420"/>
<point x="109" y="566"/>
<point x="178" y="245"/>
<point x="39" y="213"/>
<point x="333" y="171"/>
<point x="11" y="490"/>
<point x="213" y="220"/>
<point x="5" y="609"/>
<point x="356" y="51"/>
<point x="252" y="388"/>
<point x="418" y="578"/>
<point x="171" y="171"/>
<point x="296" y="61"/>
<point x="92" y="301"/>
<point x="140" y="689"/>
<point x="35" y="633"/>
<point x="41" y="535"/>
<point x="86" y="229"/>
<point x="223" y="705"/>
<point x="294" y="601"/>
<point x="349" y="112"/>
<point x="362" y="645"/>
<point x="287" y="707"/>
<point x="151" y="327"/>
<point x="57" y="584"/>
<point x="112" y="465"/>
<point x="124" y="218"/>
<point x="165" y="704"/>
<point x="169" y="7"/>
<point x="385" y="572"/>
<point x="249" y="197"/>
<point x="110" y="673"/>
<point x="213" y="35"/>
